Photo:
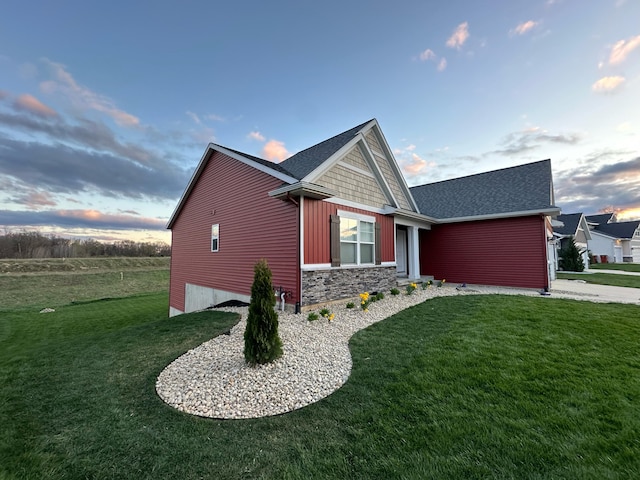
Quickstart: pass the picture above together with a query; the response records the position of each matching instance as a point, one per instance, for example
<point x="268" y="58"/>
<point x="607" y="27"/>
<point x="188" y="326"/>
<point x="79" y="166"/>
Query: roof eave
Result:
<point x="550" y="212"/>
<point x="306" y="189"/>
<point x="408" y="214"/>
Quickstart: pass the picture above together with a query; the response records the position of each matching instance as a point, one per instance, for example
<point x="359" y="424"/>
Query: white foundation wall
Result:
<point x="197" y="297"/>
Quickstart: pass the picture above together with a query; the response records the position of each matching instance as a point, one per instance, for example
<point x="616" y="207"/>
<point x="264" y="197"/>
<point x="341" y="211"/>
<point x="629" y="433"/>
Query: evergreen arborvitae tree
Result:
<point x="570" y="257"/>
<point x="262" y="343"/>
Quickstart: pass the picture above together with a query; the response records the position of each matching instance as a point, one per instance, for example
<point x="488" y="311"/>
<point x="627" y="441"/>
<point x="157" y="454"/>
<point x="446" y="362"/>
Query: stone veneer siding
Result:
<point x="320" y="286"/>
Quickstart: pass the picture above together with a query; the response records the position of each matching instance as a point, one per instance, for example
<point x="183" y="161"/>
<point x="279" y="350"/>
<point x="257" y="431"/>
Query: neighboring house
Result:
<point x="614" y="242"/>
<point x="338" y="219"/>
<point x="573" y="225"/>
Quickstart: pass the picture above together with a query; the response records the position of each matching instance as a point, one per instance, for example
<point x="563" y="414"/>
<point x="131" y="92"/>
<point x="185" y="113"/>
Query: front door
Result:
<point x="401" y="252"/>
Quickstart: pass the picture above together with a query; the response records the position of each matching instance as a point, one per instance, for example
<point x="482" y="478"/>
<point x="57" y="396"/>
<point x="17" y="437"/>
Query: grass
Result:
<point x="41" y="283"/>
<point x="603" y="279"/>
<point x="627" y="267"/>
<point x="459" y="387"/>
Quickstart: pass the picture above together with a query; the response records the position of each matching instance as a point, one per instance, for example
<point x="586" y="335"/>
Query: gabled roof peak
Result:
<point x="307" y="160"/>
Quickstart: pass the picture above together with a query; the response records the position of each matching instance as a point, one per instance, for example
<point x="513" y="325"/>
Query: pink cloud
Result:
<point x="608" y="84"/>
<point x="275" y="151"/>
<point x="31" y="104"/>
<point x="621" y="50"/>
<point x="523" y="28"/>
<point x="417" y="165"/>
<point x="255" y="135"/>
<point x="428" y="54"/>
<point x="83" y="97"/>
<point x="35" y="199"/>
<point x="442" y="64"/>
<point x="459" y="36"/>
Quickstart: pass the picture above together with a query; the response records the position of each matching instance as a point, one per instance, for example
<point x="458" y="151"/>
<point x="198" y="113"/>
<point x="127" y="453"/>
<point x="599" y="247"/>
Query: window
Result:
<point x="215" y="237"/>
<point x="356" y="241"/>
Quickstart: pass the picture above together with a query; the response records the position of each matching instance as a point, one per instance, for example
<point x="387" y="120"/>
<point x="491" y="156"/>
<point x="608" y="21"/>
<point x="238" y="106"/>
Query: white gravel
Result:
<point x="213" y="380"/>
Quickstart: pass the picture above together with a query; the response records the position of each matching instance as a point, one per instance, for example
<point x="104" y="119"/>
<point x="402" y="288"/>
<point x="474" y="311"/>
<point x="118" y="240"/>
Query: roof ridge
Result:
<point x="484" y="173"/>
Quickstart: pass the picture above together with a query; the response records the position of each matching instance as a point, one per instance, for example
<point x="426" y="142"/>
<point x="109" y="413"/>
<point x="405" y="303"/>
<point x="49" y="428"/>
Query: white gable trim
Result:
<point x="394" y="165"/>
<point x="360" y="138"/>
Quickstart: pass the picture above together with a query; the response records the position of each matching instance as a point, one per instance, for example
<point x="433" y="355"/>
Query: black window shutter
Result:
<point x="378" y="246"/>
<point x="334" y="244"/>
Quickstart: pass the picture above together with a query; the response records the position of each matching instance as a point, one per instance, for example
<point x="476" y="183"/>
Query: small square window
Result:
<point x="215" y="237"/>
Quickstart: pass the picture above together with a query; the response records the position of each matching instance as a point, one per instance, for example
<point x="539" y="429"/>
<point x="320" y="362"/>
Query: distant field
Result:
<point x="41" y="283"/>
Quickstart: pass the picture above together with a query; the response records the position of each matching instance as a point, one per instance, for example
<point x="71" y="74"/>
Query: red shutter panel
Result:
<point x="334" y="243"/>
<point x="378" y="245"/>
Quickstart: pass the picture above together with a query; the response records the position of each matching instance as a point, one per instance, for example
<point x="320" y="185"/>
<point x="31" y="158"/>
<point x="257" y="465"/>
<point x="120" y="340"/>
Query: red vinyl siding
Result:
<point x="252" y="226"/>
<point x="507" y="252"/>
<point x="317" y="236"/>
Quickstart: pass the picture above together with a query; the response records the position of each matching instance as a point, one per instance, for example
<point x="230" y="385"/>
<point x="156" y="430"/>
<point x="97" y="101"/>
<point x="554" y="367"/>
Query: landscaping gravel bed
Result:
<point x="213" y="380"/>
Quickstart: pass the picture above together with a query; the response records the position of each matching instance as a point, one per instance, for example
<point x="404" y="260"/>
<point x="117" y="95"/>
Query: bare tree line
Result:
<point x="36" y="245"/>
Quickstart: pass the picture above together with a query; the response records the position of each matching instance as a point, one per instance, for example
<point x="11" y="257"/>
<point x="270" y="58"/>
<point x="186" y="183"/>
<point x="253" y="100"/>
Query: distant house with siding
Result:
<point x="573" y="225"/>
<point x="614" y="242"/>
<point x="338" y="219"/>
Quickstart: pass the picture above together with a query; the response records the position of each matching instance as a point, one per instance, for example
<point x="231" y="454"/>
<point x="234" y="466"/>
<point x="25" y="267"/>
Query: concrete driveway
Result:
<point x="580" y="290"/>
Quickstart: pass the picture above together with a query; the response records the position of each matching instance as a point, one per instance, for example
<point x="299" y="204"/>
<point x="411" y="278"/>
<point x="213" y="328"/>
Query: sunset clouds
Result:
<point x="82" y="97"/>
<point x="31" y="104"/>
<point x="608" y="84"/>
<point x="523" y="28"/>
<point x="459" y="36"/>
<point x="622" y="49"/>
<point x="275" y="151"/>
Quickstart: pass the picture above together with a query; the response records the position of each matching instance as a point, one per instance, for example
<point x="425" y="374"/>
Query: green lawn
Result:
<point x="603" y="279"/>
<point x="41" y="290"/>
<point x="458" y="387"/>
<point x="627" y="267"/>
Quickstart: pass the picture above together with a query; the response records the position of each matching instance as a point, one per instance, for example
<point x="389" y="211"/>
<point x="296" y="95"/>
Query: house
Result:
<point x="573" y="225"/>
<point x="614" y="242"/>
<point x="338" y="219"/>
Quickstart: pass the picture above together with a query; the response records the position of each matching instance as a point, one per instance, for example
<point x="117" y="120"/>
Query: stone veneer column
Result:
<point x="319" y="286"/>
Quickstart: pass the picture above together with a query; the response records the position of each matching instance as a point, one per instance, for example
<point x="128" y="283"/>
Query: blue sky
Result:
<point x="106" y="109"/>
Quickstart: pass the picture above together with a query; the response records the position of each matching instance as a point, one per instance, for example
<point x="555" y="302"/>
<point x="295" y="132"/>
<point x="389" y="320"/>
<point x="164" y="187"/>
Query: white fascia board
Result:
<point x="303" y="188"/>
<point x="526" y="213"/>
<point x="407" y="217"/>
<point x="202" y="164"/>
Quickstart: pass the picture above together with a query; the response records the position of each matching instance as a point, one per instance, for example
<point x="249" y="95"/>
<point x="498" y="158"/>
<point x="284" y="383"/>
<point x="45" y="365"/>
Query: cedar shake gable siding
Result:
<point x="252" y="226"/>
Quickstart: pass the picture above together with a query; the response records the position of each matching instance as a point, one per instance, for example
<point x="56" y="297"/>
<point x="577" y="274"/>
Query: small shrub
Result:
<point x="441" y="282"/>
<point x="312" y="317"/>
<point x="262" y="343"/>
<point x="427" y="284"/>
<point x="395" y="291"/>
<point x="351" y="305"/>
<point x="411" y="288"/>
<point x="379" y="296"/>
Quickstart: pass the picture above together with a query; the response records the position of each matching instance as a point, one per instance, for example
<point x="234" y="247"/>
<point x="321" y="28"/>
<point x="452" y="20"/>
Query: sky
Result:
<point x="107" y="107"/>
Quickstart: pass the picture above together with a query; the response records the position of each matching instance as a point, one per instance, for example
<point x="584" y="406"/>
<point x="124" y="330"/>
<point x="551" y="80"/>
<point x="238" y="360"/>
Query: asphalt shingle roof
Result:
<point x="274" y="166"/>
<point x="571" y="221"/>
<point x="599" y="219"/>
<point x="306" y="161"/>
<point x="618" y="229"/>
<point x="515" y="189"/>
